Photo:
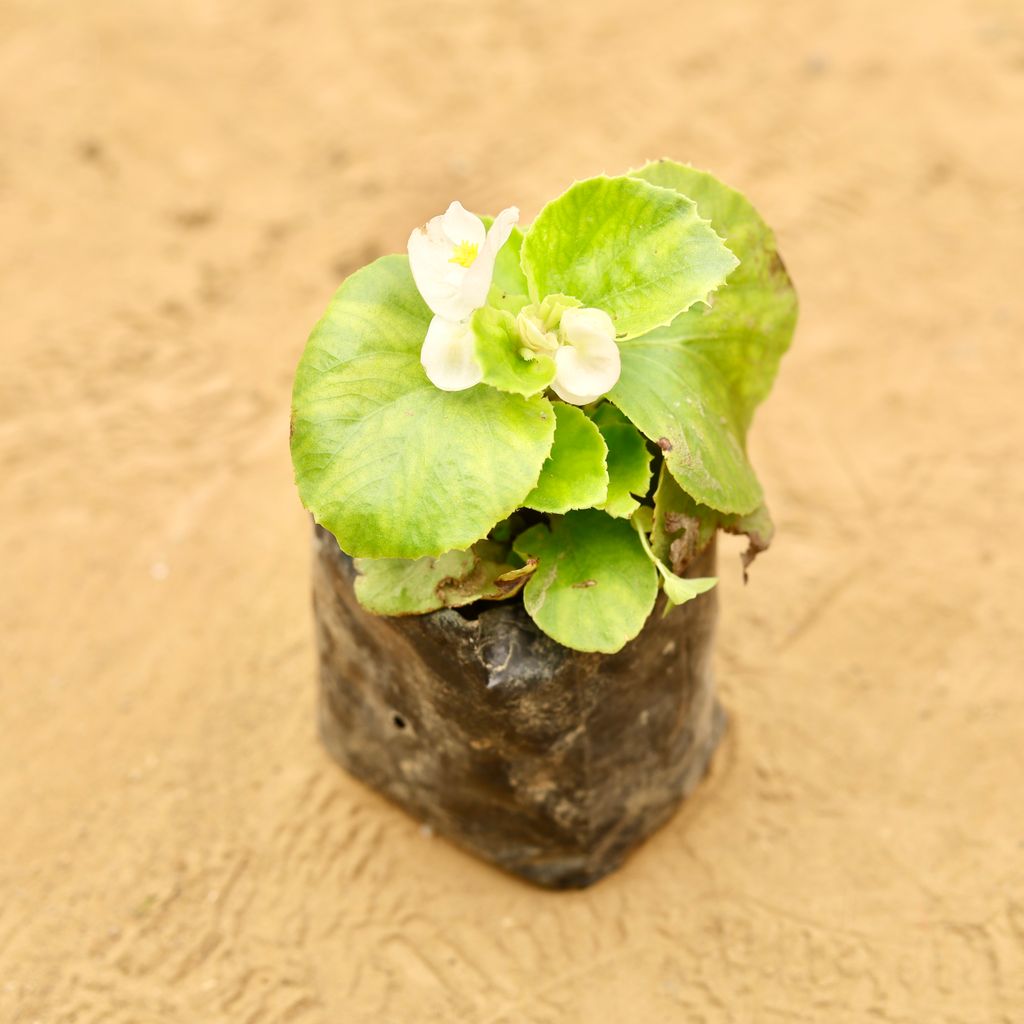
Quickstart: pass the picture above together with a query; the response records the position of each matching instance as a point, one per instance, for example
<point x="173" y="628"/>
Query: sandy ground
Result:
<point x="181" y="188"/>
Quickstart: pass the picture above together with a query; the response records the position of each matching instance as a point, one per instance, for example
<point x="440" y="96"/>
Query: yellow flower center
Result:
<point x="464" y="254"/>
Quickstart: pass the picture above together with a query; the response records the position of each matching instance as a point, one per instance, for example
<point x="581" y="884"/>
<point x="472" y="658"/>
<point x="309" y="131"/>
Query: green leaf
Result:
<point x="681" y="401"/>
<point x="629" y="468"/>
<point x="640" y="253"/>
<point x="594" y="587"/>
<point x="678" y="589"/>
<point x="392" y="466"/>
<point x="508" y="274"/>
<point x="643" y="518"/>
<point x="692" y="386"/>
<point x="683" y="528"/>
<point x="608" y="415"/>
<point x="752" y="318"/>
<point x="499" y="352"/>
<point x="402" y="586"/>
<point x="575" y="474"/>
<point x="503" y="532"/>
<point x="502" y="300"/>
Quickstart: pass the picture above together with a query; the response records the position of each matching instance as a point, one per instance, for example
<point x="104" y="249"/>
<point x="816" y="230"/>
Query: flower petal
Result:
<point x="439" y="281"/>
<point x="571" y="397"/>
<point x="462" y="226"/>
<point x="451" y="290"/>
<point x="478" y="278"/>
<point x="588" y="361"/>
<point x="448" y="355"/>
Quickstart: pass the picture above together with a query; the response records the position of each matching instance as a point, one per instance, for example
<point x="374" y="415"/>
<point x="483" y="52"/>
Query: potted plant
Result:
<point x="519" y="445"/>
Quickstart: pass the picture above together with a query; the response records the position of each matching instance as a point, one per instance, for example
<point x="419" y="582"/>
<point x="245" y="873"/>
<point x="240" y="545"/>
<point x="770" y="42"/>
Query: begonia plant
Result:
<point x="555" y="414"/>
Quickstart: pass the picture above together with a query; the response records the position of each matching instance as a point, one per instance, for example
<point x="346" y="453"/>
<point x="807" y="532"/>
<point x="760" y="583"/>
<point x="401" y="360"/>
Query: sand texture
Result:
<point x="182" y="186"/>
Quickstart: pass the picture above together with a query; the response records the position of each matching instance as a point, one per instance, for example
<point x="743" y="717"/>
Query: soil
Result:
<point x="181" y="188"/>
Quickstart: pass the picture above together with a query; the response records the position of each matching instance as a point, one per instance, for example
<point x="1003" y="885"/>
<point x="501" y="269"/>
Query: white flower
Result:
<point x="452" y="262"/>
<point x="452" y="259"/>
<point x="587" y="363"/>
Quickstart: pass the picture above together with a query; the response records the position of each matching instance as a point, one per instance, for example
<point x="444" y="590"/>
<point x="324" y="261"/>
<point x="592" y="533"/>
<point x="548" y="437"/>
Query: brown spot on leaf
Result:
<point x="683" y="548"/>
<point x="679" y="555"/>
<point x="664" y="444"/>
<point x="677" y="522"/>
<point x="449" y="583"/>
<point x="776" y="268"/>
<point x="583" y="584"/>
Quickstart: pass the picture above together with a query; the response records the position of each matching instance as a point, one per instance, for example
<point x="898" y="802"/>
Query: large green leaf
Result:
<point x="641" y="253"/>
<point x="693" y="386"/>
<point x="392" y="466"/>
<point x="752" y="318"/>
<point x="576" y="472"/>
<point x="594" y="586"/>
<point x="680" y="400"/>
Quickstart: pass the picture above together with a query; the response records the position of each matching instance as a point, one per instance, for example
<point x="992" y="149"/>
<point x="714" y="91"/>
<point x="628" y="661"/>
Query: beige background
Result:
<point x="182" y="185"/>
